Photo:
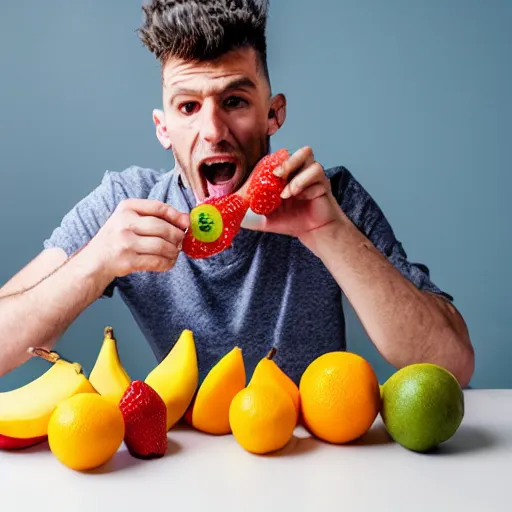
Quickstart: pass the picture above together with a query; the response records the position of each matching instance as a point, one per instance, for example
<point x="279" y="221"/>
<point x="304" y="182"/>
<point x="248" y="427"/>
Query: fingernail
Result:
<point x="285" y="194"/>
<point x="279" y="171"/>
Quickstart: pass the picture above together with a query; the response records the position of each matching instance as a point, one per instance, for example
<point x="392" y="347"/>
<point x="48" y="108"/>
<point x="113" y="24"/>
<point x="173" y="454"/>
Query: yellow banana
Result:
<point x="108" y="375"/>
<point x="175" y="379"/>
<point x="25" y="411"/>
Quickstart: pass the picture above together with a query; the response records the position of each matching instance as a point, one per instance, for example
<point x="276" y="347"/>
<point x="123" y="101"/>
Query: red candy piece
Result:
<point x="214" y="224"/>
<point x="264" y="192"/>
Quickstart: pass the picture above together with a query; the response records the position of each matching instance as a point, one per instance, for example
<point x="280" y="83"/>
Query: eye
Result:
<point x="235" y="102"/>
<point x="190" y="107"/>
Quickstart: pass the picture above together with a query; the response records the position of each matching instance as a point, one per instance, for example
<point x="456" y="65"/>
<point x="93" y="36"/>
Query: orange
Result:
<point x="340" y="397"/>
<point x="85" y="431"/>
<point x="262" y="418"/>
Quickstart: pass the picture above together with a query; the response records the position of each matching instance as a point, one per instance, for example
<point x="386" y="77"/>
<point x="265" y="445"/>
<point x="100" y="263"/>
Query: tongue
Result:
<point x="220" y="189"/>
<point x="219" y="179"/>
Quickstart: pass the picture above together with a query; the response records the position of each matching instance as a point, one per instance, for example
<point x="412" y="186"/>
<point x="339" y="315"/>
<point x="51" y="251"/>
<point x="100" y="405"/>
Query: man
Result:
<point x="279" y="285"/>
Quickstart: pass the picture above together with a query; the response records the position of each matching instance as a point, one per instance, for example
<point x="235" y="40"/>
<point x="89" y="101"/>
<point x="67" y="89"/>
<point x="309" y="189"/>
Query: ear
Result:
<point x="161" y="129"/>
<point x="276" y="113"/>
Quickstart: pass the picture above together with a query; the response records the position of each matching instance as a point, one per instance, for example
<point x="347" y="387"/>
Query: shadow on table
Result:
<point x="296" y="446"/>
<point x="375" y="436"/>
<point x="467" y="440"/>
<point x="300" y="445"/>
<point x="123" y="460"/>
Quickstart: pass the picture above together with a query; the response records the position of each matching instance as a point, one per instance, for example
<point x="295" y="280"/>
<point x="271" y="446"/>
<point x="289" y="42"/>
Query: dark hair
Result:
<point x="204" y="30"/>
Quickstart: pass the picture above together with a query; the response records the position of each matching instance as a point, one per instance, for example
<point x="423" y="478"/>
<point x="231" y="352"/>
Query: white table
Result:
<point x="472" y="472"/>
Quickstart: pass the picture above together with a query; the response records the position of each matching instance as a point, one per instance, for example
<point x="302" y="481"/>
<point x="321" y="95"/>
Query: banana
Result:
<point x="108" y="375"/>
<point x="175" y="379"/>
<point x="25" y="411"/>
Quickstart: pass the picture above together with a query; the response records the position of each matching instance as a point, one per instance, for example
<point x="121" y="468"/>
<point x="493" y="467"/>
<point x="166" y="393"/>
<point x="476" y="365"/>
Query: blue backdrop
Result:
<point x="413" y="97"/>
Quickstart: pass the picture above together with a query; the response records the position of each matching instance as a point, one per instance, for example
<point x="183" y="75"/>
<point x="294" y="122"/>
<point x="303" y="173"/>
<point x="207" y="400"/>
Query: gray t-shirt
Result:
<point x="266" y="290"/>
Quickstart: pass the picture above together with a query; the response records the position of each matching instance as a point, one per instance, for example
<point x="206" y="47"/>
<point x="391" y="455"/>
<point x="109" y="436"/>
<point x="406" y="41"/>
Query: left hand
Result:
<point x="308" y="204"/>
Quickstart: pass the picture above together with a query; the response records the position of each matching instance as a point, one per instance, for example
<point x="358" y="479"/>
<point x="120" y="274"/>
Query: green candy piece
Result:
<point x="206" y="223"/>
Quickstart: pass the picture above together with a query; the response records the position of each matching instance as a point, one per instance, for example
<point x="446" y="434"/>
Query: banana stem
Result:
<point x="272" y="353"/>
<point x="53" y="357"/>
<point x="109" y="332"/>
<point x="43" y="353"/>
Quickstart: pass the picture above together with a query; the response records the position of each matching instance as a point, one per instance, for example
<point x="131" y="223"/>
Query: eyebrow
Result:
<point x="237" y="83"/>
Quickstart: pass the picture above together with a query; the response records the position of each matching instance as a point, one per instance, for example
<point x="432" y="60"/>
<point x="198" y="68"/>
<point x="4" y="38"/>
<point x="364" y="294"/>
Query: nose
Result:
<point x="213" y="128"/>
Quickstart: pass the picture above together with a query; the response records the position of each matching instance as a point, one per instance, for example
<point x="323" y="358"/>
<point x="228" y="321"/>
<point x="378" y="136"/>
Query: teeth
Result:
<point x="218" y="162"/>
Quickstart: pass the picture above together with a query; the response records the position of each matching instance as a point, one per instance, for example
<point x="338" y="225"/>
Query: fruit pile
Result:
<point x="85" y="420"/>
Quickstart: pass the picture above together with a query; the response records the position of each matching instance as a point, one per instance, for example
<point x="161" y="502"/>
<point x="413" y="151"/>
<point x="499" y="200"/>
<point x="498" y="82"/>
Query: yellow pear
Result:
<point x="209" y="411"/>
<point x="175" y="379"/>
<point x="26" y="411"/>
<point x="262" y="418"/>
<point x="268" y="372"/>
<point x="108" y="375"/>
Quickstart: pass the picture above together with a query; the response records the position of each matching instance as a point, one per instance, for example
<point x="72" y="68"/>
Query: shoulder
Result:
<point x="133" y="182"/>
<point x="360" y="206"/>
<point x="343" y="183"/>
<point x="350" y="194"/>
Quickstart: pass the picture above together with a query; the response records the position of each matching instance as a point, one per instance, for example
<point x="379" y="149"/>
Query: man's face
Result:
<point x="216" y="120"/>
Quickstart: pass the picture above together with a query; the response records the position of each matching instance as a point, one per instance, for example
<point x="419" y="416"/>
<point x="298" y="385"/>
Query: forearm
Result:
<point x="406" y="324"/>
<point x="38" y="316"/>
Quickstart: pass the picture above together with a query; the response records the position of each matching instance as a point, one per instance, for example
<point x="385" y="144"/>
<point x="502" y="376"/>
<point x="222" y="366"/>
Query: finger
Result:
<point x="156" y="208"/>
<point x="310" y="193"/>
<point x="303" y="157"/>
<point x="154" y="226"/>
<point x="155" y="246"/>
<point x="146" y="262"/>
<point x="308" y="177"/>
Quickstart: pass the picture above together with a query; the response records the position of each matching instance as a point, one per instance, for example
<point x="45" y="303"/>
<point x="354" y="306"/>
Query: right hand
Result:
<point x="140" y="235"/>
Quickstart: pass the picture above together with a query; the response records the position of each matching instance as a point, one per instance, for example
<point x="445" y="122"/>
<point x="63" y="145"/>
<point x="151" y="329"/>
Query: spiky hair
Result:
<point x="204" y="30"/>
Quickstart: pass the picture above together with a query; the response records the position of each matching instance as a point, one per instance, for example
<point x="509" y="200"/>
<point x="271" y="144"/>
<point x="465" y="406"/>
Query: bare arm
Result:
<point x="407" y="325"/>
<point x="40" y="302"/>
<point x="37" y="314"/>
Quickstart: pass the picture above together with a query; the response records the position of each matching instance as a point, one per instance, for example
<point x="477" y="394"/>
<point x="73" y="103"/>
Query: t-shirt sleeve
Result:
<point x="85" y="219"/>
<point x="365" y="213"/>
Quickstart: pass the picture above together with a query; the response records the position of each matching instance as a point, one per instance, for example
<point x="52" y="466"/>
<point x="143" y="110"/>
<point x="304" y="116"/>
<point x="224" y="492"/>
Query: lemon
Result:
<point x="422" y="406"/>
<point x="85" y="431"/>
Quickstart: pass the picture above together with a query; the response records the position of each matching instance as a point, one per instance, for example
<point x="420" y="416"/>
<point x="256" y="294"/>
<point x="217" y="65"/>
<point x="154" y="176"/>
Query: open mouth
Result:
<point x="219" y="177"/>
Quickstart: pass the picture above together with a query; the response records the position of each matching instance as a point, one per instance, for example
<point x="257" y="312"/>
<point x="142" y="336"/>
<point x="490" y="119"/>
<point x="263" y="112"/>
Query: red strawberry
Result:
<point x="145" y="418"/>
<point x="213" y="225"/>
<point x="264" y="192"/>
<point x="16" y="443"/>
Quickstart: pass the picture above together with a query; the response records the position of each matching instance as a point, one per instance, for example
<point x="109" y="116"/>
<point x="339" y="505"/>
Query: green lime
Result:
<point x="206" y="223"/>
<point x="422" y="406"/>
